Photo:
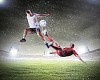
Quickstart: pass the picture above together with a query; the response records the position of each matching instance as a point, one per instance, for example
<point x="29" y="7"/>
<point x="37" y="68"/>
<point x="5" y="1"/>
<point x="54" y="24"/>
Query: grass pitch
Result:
<point x="49" y="70"/>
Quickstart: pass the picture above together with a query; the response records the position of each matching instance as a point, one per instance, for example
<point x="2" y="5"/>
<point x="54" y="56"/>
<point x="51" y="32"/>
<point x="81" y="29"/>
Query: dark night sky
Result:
<point x="75" y="21"/>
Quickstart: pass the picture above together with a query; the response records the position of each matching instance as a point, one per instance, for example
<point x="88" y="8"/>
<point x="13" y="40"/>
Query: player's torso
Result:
<point x="68" y="51"/>
<point x="33" y="22"/>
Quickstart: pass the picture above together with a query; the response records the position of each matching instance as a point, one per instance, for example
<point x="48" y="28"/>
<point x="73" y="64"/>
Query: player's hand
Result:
<point x="84" y="62"/>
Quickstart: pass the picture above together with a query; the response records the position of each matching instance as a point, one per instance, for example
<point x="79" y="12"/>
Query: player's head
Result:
<point x="28" y="12"/>
<point x="72" y="45"/>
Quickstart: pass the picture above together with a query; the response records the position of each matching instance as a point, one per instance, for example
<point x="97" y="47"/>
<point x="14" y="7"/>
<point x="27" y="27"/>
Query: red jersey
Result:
<point x="67" y="52"/>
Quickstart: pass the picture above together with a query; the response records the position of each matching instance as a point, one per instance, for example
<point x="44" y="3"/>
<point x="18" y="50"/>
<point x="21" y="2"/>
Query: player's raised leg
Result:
<point x="48" y="37"/>
<point x="51" y="41"/>
<point x="40" y="35"/>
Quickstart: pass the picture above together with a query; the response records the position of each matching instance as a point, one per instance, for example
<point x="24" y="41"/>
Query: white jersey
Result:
<point x="32" y="21"/>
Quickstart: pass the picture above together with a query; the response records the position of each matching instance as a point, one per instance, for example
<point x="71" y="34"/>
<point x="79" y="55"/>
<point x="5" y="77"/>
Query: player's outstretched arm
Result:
<point x="43" y="15"/>
<point x="80" y="59"/>
<point x="76" y="54"/>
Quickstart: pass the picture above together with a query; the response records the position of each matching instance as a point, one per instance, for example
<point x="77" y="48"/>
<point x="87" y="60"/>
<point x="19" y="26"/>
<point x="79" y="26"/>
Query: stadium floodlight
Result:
<point x="2" y="2"/>
<point x="13" y="51"/>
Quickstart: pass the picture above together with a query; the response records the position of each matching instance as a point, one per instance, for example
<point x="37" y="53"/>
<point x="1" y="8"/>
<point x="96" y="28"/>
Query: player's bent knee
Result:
<point x="39" y="34"/>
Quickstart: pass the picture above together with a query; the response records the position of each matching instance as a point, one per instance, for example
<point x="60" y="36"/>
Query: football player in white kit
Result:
<point x="33" y="25"/>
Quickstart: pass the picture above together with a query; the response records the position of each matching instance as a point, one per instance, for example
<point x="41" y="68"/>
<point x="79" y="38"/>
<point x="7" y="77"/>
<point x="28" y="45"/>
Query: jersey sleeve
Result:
<point x="75" y="53"/>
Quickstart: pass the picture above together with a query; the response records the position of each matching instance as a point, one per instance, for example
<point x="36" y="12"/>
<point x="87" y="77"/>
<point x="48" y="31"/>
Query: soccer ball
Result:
<point x="43" y="23"/>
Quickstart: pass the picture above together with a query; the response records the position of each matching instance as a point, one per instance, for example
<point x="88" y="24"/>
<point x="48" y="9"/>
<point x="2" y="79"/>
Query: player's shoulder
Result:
<point x="66" y="48"/>
<point x="36" y="14"/>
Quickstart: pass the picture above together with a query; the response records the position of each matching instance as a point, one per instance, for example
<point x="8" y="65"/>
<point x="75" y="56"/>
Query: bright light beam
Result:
<point x="2" y="2"/>
<point x="13" y="52"/>
<point x="5" y="4"/>
<point x="82" y="49"/>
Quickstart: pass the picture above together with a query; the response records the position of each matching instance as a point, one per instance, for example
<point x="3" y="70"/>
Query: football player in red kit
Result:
<point x="62" y="52"/>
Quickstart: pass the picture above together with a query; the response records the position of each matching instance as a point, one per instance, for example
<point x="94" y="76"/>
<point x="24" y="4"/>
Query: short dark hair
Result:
<point x="27" y="11"/>
<point x="72" y="45"/>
